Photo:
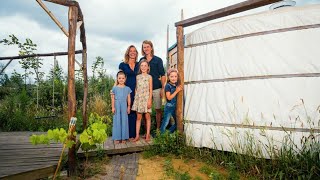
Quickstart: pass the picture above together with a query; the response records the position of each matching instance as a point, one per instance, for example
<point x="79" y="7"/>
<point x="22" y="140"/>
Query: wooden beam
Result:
<point x="180" y="63"/>
<point x="53" y="17"/>
<point x="64" y="2"/>
<point x="79" y="23"/>
<point x="79" y="64"/>
<point x="85" y="90"/>
<point x="69" y="4"/>
<point x="72" y="17"/>
<point x="39" y="55"/>
<point x="5" y="66"/>
<point x="233" y="9"/>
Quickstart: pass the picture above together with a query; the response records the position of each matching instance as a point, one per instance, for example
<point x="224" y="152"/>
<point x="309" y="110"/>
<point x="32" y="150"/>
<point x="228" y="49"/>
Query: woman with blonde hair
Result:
<point x="130" y="67"/>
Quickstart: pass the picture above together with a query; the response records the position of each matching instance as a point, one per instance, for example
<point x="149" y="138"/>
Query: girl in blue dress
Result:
<point x="121" y="102"/>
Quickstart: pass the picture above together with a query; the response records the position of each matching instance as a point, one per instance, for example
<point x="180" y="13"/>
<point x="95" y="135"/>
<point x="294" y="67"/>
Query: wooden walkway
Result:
<point x="19" y="159"/>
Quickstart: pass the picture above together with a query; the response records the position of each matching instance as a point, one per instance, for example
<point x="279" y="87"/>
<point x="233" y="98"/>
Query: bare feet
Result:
<point x="148" y="138"/>
<point x="123" y="141"/>
<point x="116" y="142"/>
<point x="136" y="139"/>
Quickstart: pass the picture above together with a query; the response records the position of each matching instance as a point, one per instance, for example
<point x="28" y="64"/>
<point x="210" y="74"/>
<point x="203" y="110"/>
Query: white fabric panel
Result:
<point x="291" y="52"/>
<point x="237" y="139"/>
<point x="277" y="102"/>
<point x="265" y="21"/>
<point x="263" y="102"/>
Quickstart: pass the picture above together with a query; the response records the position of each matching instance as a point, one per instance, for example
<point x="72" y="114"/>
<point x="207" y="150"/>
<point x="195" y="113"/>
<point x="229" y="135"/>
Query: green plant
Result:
<point x="171" y="172"/>
<point x="212" y="173"/>
<point x="168" y="143"/>
<point x="55" y="135"/>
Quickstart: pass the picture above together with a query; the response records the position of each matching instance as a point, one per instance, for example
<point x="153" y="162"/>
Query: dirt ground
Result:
<point x="153" y="168"/>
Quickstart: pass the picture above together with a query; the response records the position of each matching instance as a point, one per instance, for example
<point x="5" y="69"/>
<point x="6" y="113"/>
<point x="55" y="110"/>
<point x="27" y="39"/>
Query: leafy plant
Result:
<point x="55" y="135"/>
<point x="168" y="143"/>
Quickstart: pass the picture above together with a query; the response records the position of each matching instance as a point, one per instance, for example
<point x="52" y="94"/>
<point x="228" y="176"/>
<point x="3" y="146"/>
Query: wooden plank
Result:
<point x="7" y="159"/>
<point x="117" y="146"/>
<point x="28" y="146"/>
<point x="34" y="174"/>
<point x="131" y="144"/>
<point x="109" y="144"/>
<point x="233" y="9"/>
<point x="180" y="64"/>
<point x="13" y="165"/>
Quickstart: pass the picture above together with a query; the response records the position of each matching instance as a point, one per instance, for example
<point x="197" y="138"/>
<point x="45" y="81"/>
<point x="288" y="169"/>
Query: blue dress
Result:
<point x="131" y="83"/>
<point x="120" y="129"/>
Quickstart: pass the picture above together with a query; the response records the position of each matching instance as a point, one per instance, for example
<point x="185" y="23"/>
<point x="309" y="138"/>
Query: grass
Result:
<point x="171" y="172"/>
<point x="286" y="162"/>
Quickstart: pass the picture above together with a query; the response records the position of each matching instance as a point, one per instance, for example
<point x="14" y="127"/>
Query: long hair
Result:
<point x="142" y="61"/>
<point x="120" y="73"/>
<point x="147" y="42"/>
<point x="171" y="70"/>
<point x="126" y="55"/>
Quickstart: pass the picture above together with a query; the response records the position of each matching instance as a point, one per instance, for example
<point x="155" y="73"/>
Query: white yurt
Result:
<point x="254" y="78"/>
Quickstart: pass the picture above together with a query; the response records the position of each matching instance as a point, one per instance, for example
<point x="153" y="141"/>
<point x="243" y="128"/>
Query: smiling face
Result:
<point x="121" y="79"/>
<point x="147" y="49"/>
<point x="133" y="53"/>
<point x="144" y="67"/>
<point x="173" y="77"/>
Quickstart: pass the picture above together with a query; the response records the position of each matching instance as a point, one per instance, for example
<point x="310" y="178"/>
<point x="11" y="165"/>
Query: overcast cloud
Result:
<point x="111" y="26"/>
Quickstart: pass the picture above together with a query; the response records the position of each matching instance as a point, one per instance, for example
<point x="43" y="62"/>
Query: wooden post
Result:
<point x="85" y="89"/>
<point x="167" y="67"/>
<point x="72" y="17"/>
<point x="180" y="63"/>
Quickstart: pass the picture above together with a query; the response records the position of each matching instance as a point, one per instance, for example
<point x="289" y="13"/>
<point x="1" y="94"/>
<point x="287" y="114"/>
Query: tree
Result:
<point x="27" y="48"/>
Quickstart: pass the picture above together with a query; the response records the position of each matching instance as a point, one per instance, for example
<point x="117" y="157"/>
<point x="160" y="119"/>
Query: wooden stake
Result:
<point x="167" y="47"/>
<point x="180" y="63"/>
<point x="53" y="17"/>
<point x="73" y="13"/>
<point x="85" y="89"/>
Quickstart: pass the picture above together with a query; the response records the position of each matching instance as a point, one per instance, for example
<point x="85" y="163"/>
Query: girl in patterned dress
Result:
<point x="143" y="98"/>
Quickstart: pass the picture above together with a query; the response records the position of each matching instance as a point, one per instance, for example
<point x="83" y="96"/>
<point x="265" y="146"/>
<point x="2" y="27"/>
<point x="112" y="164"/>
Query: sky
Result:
<point x="111" y="26"/>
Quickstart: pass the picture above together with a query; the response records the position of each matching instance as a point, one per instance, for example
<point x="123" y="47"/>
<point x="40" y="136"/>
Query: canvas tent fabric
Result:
<point x="253" y="75"/>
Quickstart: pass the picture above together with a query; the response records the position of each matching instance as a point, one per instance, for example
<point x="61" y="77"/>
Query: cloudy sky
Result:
<point x="111" y="26"/>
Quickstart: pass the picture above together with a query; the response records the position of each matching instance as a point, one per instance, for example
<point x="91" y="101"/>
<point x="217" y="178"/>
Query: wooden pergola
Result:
<point x="233" y="9"/>
<point x="75" y="21"/>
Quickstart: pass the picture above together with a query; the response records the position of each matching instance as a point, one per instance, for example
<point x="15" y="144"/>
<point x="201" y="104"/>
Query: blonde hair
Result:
<point x="126" y="55"/>
<point x="142" y="61"/>
<point x="171" y="70"/>
<point x="147" y="42"/>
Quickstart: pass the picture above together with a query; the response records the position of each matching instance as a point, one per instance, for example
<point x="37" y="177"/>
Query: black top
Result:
<point x="156" y="71"/>
<point x="171" y="88"/>
<point x="131" y="77"/>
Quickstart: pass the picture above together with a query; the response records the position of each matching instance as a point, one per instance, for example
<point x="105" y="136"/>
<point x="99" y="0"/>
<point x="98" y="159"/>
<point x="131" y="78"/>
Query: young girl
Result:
<point x="171" y="90"/>
<point x="143" y="98"/>
<point x="120" y="99"/>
